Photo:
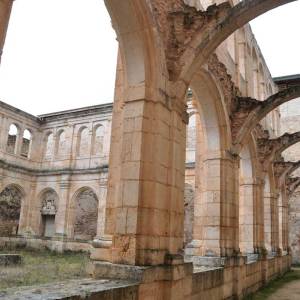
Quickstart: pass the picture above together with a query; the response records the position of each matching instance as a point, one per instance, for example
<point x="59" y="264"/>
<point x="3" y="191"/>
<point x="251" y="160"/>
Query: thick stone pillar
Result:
<point x="62" y="211"/>
<point x="30" y="224"/>
<point x="247" y="216"/>
<point x="148" y="214"/>
<point x="5" y="10"/>
<point x="101" y="212"/>
<point x="275" y="223"/>
<point x="215" y="208"/>
<point x="268" y="199"/>
<point x="259" y="216"/>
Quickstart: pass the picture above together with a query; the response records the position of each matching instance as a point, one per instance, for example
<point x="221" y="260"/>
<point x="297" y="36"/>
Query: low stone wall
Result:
<point x="40" y="244"/>
<point x="235" y="280"/>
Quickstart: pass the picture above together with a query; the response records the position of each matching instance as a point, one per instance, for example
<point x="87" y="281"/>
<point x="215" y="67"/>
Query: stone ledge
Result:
<point x="75" y="289"/>
<point x="99" y="269"/>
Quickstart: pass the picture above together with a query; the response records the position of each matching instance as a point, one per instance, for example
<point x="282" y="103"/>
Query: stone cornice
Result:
<point x="47" y="172"/>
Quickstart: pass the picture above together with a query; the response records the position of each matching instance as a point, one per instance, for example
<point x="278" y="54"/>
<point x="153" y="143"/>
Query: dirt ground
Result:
<point x="285" y="288"/>
<point x="42" y="267"/>
<point x="290" y="291"/>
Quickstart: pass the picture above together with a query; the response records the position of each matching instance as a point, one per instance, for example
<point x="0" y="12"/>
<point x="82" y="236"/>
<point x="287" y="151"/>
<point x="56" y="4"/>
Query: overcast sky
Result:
<point x="61" y="54"/>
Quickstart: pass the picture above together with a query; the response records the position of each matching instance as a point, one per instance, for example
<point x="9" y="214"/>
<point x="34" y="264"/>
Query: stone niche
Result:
<point x="85" y="227"/>
<point x="48" y="211"/>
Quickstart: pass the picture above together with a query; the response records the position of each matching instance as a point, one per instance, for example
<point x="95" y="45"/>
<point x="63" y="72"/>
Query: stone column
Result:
<point x="259" y="215"/>
<point x="268" y="199"/>
<point x="4" y="133"/>
<point x="247" y="216"/>
<point x="147" y="218"/>
<point x="275" y="221"/>
<point x="30" y="224"/>
<point x="101" y="211"/>
<point x="62" y="211"/>
<point x="215" y="207"/>
<point x="27" y="223"/>
<point x="19" y="141"/>
<point x="5" y="10"/>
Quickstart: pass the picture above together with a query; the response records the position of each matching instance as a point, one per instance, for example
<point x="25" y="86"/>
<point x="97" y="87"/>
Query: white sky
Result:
<point x="61" y="54"/>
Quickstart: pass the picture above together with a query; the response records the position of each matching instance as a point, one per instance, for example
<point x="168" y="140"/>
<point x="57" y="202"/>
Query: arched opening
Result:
<point x="98" y="140"/>
<point x="26" y="144"/>
<point x="49" y="204"/>
<point x="10" y="208"/>
<point x="86" y="213"/>
<point x="61" y="144"/>
<point x="11" y="146"/>
<point x="211" y="138"/>
<point x="49" y="148"/>
<point x="83" y="142"/>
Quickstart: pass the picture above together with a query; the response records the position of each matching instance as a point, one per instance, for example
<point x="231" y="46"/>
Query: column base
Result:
<point x="102" y="250"/>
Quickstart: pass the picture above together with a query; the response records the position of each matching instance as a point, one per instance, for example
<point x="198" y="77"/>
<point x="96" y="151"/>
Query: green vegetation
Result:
<point x="40" y="267"/>
<point x="276" y="284"/>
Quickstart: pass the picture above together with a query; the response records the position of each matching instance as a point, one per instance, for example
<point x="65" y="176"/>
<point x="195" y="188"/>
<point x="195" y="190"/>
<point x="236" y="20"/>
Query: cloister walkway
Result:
<point x="287" y="288"/>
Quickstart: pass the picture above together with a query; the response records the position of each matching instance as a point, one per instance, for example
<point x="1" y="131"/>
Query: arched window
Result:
<point x="49" y="146"/>
<point x="26" y="143"/>
<point x="12" y="139"/>
<point x="98" y="140"/>
<point x="83" y="142"/>
<point x="61" y="143"/>
<point x="10" y="207"/>
<point x="86" y="213"/>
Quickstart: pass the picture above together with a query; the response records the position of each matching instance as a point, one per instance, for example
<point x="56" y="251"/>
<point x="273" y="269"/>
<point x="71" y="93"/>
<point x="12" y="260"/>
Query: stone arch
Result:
<point x="12" y="138"/>
<point x="212" y="139"/>
<point x="220" y="29"/>
<point x="84" y="206"/>
<point x="26" y="143"/>
<point x="48" y="201"/>
<point x="83" y="142"/>
<point x="260" y="111"/>
<point x="139" y="44"/>
<point x="11" y="198"/>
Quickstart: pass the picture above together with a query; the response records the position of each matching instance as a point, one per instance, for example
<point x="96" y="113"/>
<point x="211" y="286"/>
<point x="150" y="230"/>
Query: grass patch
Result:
<point x="40" y="267"/>
<point x="276" y="284"/>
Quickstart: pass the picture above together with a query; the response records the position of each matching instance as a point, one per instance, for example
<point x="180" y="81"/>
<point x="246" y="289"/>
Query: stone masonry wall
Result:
<point x="290" y="122"/>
